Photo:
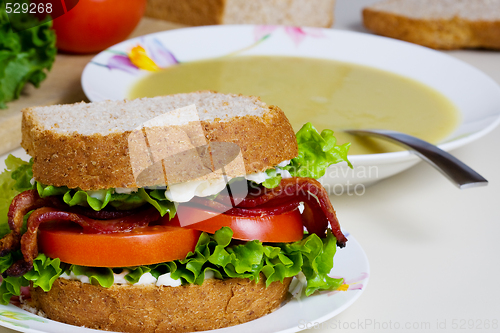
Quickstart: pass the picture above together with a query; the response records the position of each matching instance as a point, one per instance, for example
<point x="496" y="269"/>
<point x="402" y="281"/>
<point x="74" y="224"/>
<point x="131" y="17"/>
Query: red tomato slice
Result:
<point x="282" y="228"/>
<point x="142" y="246"/>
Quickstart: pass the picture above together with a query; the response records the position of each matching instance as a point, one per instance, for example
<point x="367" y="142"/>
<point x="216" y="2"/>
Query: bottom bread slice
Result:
<point x="149" y="308"/>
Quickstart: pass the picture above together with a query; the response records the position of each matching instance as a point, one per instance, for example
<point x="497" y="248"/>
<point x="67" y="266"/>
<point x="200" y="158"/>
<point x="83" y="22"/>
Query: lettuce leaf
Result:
<point x="316" y="153"/>
<point x="6" y="262"/>
<point x="45" y="271"/>
<point x="135" y="274"/>
<point x="13" y="180"/>
<point x="312" y="255"/>
<point x="216" y="253"/>
<point x="159" y="201"/>
<point x="97" y="275"/>
<point x="97" y="200"/>
<point x="47" y="191"/>
<point x="22" y="174"/>
<point x="24" y="55"/>
<point x="273" y="181"/>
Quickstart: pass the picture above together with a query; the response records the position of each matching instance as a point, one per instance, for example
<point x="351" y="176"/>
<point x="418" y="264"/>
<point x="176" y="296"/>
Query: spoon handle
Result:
<point x="455" y="170"/>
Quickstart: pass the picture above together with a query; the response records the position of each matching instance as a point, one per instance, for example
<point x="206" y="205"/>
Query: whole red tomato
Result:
<point x="93" y="25"/>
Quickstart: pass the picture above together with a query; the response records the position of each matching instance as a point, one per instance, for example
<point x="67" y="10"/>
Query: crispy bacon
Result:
<point x="263" y="211"/>
<point x="205" y="203"/>
<point x="20" y="206"/>
<point x="29" y="246"/>
<point x="104" y="214"/>
<point x="216" y="206"/>
<point x="314" y="197"/>
<point x="318" y="210"/>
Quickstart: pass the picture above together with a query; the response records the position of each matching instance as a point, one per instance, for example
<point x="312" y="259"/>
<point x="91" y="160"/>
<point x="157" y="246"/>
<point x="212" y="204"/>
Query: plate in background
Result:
<point x="111" y="74"/>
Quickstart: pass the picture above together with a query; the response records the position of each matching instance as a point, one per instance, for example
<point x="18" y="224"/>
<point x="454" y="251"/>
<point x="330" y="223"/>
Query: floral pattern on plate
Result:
<point x="151" y="55"/>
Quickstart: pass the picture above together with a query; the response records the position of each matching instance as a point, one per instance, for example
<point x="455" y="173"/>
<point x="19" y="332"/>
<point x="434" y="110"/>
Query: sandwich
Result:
<point x="177" y="213"/>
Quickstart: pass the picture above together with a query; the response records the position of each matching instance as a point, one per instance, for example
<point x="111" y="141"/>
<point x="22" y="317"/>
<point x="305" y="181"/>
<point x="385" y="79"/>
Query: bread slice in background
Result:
<point x="439" y="24"/>
<point x="313" y="13"/>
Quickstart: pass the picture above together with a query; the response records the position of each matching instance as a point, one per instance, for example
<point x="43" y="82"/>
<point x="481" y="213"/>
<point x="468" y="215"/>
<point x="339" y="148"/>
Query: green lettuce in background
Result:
<point x="312" y="255"/>
<point x="24" y="55"/>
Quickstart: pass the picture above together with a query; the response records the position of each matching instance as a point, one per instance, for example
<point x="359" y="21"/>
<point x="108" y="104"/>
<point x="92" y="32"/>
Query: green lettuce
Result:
<point x="316" y="153"/>
<point x="97" y="275"/>
<point x="13" y="180"/>
<point x="215" y="253"/>
<point x="274" y="179"/>
<point x="45" y="271"/>
<point x="159" y="201"/>
<point x="25" y="55"/>
<point x="97" y="200"/>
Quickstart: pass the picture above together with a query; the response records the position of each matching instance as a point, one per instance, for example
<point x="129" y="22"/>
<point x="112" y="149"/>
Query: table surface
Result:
<point x="433" y="249"/>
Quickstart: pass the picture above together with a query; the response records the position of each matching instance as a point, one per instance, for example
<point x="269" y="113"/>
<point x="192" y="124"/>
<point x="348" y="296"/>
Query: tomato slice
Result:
<point x="282" y="228"/>
<point x="142" y="246"/>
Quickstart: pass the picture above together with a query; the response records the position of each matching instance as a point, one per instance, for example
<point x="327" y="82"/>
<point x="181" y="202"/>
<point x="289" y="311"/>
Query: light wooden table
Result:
<point x="433" y="249"/>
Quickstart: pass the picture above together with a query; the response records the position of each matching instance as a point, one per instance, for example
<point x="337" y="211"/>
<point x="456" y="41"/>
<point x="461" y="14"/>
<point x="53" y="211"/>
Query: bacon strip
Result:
<point x="213" y="205"/>
<point x="103" y="214"/>
<point x="264" y="211"/>
<point x="275" y="209"/>
<point x="318" y="210"/>
<point x="315" y="199"/>
<point x="20" y="206"/>
<point x="29" y="246"/>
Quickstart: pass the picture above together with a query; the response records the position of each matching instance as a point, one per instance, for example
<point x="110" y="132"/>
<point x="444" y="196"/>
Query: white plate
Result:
<point x="475" y="94"/>
<point x="350" y="263"/>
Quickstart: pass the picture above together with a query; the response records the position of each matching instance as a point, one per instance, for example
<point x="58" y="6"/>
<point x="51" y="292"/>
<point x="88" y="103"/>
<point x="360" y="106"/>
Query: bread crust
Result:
<point x="313" y="13"/>
<point x="190" y="12"/>
<point x="148" y="308"/>
<point x="99" y="161"/>
<point x="445" y="34"/>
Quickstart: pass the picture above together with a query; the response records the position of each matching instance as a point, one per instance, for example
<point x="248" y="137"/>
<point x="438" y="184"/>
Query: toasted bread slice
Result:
<point x="439" y="24"/>
<point x="88" y="146"/>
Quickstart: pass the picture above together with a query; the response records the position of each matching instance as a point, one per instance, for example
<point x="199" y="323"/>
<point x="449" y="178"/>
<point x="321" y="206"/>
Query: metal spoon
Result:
<point x="455" y="170"/>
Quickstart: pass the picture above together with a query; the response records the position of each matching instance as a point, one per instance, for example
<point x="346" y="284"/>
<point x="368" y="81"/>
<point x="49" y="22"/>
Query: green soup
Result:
<point x="327" y="93"/>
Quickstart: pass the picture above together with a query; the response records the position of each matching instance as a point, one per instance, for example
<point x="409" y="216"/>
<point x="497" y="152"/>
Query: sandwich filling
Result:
<point x="247" y="236"/>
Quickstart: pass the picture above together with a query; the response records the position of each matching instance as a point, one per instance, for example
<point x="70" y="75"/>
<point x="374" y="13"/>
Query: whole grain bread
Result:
<point x="314" y="13"/>
<point x="89" y="145"/>
<point x="148" y="308"/>
<point x="439" y="24"/>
